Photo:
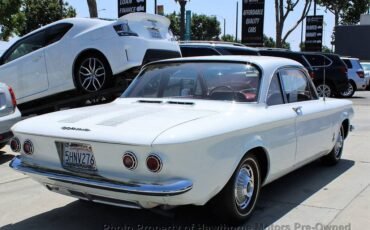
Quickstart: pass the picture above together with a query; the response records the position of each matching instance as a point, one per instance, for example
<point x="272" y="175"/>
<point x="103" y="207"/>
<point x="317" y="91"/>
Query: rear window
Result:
<point x="317" y="60"/>
<point x="220" y="81"/>
<point x="194" y="52"/>
<point x="348" y="63"/>
<point x="366" y="66"/>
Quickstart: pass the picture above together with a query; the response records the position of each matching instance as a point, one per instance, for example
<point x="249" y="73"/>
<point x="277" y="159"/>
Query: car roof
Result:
<point x="263" y="61"/>
<point x="216" y="44"/>
<point x="350" y="58"/>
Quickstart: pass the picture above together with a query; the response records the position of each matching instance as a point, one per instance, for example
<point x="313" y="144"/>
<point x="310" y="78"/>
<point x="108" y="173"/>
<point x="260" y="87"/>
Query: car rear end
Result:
<point x="356" y="73"/>
<point x="9" y="113"/>
<point x="331" y="67"/>
<point x="144" y="38"/>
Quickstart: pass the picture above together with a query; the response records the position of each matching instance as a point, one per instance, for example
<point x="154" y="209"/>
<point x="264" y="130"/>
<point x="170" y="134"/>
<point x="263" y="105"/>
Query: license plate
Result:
<point x="78" y="157"/>
<point x="155" y="33"/>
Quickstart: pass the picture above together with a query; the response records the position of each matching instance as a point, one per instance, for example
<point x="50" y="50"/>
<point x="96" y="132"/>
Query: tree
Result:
<point x="203" y="27"/>
<point x="270" y="43"/>
<point x="282" y="11"/>
<point x="345" y="11"/>
<point x="326" y="49"/>
<point x="36" y="13"/>
<point x="182" y="17"/>
<point x="228" y="38"/>
<point x="93" y="8"/>
<point x="8" y="11"/>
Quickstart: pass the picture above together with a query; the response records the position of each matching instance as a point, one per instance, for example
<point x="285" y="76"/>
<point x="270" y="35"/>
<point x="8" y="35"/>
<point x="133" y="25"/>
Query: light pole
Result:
<point x="182" y="18"/>
<point x="215" y="15"/>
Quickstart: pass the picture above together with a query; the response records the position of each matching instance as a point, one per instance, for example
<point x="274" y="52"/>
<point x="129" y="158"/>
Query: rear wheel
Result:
<point x="324" y="90"/>
<point x="336" y="153"/>
<point x="348" y="93"/>
<point x="237" y="200"/>
<point x="92" y="73"/>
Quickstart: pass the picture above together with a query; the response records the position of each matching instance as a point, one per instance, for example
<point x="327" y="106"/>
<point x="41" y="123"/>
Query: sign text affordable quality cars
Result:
<point x="131" y="6"/>
<point x="253" y="18"/>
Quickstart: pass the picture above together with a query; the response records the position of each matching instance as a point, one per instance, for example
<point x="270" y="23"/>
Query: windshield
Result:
<point x="199" y="80"/>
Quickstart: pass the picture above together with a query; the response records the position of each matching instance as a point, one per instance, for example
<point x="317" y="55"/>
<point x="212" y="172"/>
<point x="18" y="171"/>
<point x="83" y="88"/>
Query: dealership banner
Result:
<point x="252" y="24"/>
<point x="314" y="31"/>
<point x="130" y="6"/>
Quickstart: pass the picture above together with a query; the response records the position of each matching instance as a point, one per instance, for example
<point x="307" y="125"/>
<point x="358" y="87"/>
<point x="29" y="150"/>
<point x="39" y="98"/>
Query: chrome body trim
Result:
<point x="170" y="188"/>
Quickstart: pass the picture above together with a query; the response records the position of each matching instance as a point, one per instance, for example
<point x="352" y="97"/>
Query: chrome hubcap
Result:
<point x="92" y="74"/>
<point x="348" y="91"/>
<point x="338" y="144"/>
<point x="323" y="90"/>
<point x="244" y="186"/>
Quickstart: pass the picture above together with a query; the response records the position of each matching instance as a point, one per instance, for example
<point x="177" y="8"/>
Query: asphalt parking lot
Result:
<point x="313" y="196"/>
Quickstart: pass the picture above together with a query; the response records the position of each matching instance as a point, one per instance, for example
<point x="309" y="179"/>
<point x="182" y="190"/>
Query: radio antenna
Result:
<point x="324" y="78"/>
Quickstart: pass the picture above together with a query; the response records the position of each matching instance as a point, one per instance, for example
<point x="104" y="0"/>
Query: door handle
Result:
<point x="297" y="109"/>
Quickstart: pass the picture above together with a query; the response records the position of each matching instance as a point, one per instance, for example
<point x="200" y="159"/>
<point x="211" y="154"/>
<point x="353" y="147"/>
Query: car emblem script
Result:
<point x="75" y="129"/>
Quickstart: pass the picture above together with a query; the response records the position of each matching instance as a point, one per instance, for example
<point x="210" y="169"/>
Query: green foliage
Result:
<point x="37" y="13"/>
<point x="326" y="49"/>
<point x="270" y="43"/>
<point x="203" y="27"/>
<point x="8" y="11"/>
<point x="228" y="38"/>
<point x="346" y="12"/>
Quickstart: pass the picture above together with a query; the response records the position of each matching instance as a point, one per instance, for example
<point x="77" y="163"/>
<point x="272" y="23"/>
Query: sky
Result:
<point x="221" y="9"/>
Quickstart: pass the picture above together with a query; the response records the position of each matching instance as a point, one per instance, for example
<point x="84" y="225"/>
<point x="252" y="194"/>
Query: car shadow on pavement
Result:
<point x="5" y="158"/>
<point x="277" y="199"/>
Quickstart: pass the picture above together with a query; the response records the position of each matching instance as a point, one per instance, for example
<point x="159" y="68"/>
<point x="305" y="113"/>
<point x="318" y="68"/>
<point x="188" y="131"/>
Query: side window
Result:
<point x="194" y="52"/>
<point x="55" y="33"/>
<point x="348" y="63"/>
<point x="274" y="94"/>
<point x="25" y="46"/>
<point x="296" y="86"/>
<point x="318" y="60"/>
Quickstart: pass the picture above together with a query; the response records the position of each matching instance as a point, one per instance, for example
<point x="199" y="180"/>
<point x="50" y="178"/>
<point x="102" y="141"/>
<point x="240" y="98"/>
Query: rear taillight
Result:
<point x="123" y="29"/>
<point x="361" y="73"/>
<point x="15" y="144"/>
<point x="12" y="95"/>
<point x="343" y="70"/>
<point x="28" y="147"/>
<point x="129" y="160"/>
<point x="154" y="163"/>
<point x="312" y="74"/>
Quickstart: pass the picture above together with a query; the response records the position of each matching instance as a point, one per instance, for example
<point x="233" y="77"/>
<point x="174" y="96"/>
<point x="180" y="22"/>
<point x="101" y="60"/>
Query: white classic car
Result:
<point x="188" y="131"/>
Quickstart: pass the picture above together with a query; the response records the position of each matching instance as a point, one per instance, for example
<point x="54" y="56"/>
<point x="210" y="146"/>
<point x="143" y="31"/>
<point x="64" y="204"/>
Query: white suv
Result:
<point x="84" y="54"/>
<point x="356" y="76"/>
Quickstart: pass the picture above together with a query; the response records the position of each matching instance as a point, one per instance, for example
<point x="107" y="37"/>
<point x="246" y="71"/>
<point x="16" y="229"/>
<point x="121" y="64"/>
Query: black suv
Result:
<point x="317" y="64"/>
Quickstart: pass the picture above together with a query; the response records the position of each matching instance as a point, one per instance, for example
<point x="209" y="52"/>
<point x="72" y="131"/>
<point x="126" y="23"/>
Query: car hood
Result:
<point x="124" y="123"/>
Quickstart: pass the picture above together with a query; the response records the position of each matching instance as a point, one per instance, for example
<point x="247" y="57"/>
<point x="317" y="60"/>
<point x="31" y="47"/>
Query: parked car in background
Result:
<point x="356" y="76"/>
<point x="9" y="113"/>
<point x="188" y="131"/>
<point x="317" y="64"/>
<point x="84" y="54"/>
<point x="366" y="66"/>
<point x="210" y="48"/>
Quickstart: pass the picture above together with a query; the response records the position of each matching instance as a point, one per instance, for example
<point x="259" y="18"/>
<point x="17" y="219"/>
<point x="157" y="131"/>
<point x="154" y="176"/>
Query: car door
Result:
<point x="282" y="137"/>
<point x="23" y="66"/>
<point x="313" y="125"/>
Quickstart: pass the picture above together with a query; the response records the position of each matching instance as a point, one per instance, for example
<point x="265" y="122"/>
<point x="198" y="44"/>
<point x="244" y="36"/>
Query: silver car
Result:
<point x="9" y="113"/>
<point x="356" y="76"/>
<point x="366" y="66"/>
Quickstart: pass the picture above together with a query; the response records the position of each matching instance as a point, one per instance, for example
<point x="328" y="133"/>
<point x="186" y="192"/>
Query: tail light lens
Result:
<point x="312" y="74"/>
<point x="28" y="147"/>
<point x="343" y="70"/>
<point x="14" y="100"/>
<point x="123" y="29"/>
<point x="15" y="144"/>
<point x="154" y="163"/>
<point x="361" y="73"/>
<point x="129" y="160"/>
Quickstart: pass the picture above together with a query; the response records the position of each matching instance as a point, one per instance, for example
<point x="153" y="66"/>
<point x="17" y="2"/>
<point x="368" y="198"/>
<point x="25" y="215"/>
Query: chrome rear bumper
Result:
<point x="169" y="188"/>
